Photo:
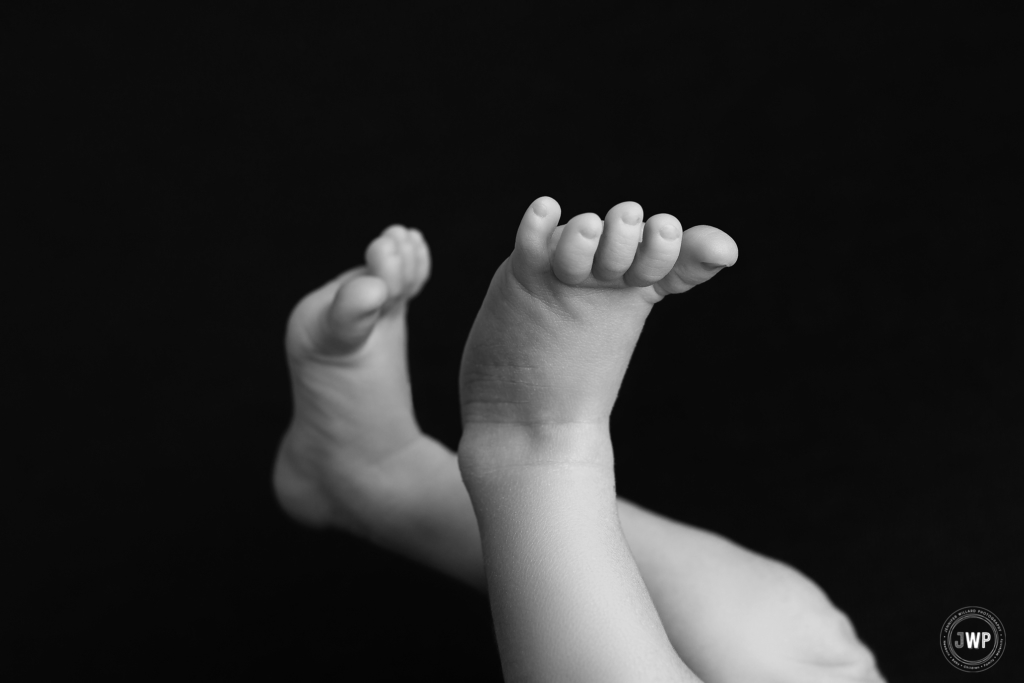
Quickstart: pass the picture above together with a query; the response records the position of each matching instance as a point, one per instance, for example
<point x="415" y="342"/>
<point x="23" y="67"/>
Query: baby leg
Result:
<point x="355" y="459"/>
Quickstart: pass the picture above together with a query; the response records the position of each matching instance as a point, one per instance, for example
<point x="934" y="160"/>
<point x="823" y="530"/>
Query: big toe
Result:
<point x="336" y="319"/>
<point x="353" y="312"/>
<point x="704" y="252"/>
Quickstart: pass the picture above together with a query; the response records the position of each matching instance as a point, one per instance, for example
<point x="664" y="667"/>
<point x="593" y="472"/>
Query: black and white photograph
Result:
<point x="506" y="342"/>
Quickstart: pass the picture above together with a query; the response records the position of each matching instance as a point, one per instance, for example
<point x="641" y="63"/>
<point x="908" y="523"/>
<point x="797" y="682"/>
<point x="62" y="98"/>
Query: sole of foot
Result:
<point x="551" y="343"/>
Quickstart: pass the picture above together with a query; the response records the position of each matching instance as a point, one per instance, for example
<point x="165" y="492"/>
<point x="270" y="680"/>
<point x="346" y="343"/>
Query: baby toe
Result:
<point x="574" y="255"/>
<point x="657" y="253"/>
<point x="531" y="254"/>
<point x="617" y="249"/>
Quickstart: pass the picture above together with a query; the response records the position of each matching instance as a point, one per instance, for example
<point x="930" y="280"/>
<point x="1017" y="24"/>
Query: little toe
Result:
<point x="657" y="253"/>
<point x="622" y="227"/>
<point x="384" y="260"/>
<point x="704" y="252"/>
<point x="354" y="310"/>
<point x="531" y="254"/>
<point x="574" y="255"/>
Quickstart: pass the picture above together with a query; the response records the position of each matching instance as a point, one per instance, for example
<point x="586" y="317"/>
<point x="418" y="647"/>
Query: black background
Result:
<point x="846" y="398"/>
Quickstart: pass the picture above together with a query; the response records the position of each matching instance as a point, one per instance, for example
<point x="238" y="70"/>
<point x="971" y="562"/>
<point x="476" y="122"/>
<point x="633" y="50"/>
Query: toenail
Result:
<point x="540" y="209"/>
<point x="670" y="232"/>
<point x="712" y="266"/>
<point x="631" y="219"/>
<point x="589" y="230"/>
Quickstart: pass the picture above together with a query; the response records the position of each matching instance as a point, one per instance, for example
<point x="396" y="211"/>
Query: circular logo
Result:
<point x="973" y="639"/>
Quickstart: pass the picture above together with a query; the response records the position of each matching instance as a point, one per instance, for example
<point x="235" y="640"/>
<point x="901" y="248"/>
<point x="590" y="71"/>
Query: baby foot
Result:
<point x="563" y="313"/>
<point x="416" y="504"/>
<point x="354" y="457"/>
<point x="345" y="346"/>
<point x="540" y="374"/>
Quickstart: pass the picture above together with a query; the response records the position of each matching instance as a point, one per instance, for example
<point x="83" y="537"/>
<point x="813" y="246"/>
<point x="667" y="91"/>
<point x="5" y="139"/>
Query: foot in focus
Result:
<point x="550" y="345"/>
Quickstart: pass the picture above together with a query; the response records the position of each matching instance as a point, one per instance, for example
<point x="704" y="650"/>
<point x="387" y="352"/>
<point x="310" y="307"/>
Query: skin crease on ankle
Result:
<point x="540" y="373"/>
